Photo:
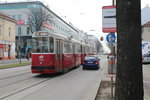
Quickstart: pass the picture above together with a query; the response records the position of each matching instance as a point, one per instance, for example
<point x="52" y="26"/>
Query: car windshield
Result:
<point x="89" y="57"/>
<point x="43" y="45"/>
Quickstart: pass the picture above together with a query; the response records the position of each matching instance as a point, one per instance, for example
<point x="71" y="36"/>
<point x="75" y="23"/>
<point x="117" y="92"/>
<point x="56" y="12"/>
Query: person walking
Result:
<point x="28" y="55"/>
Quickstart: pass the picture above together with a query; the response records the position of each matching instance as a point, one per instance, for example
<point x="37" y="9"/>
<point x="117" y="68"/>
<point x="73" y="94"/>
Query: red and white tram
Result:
<point x="53" y="53"/>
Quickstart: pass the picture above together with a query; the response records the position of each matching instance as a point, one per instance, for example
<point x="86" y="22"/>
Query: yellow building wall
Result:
<point x="7" y="39"/>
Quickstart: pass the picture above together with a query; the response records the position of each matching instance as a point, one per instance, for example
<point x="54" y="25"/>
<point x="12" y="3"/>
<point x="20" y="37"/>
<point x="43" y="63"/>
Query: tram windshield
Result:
<point x="43" y="45"/>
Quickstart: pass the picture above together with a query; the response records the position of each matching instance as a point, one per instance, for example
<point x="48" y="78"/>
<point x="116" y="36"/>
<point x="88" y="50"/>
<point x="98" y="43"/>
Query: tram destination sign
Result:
<point x="109" y="19"/>
<point x="41" y="33"/>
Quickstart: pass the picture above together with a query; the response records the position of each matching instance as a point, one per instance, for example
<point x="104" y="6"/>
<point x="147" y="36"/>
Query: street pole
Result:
<point x="112" y="65"/>
<point x="19" y="45"/>
<point x="113" y="2"/>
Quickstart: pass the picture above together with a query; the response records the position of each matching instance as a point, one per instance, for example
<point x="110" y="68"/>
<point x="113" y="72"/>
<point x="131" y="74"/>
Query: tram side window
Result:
<point x="67" y="48"/>
<point x="87" y="50"/>
<point x="76" y="48"/>
<point x="79" y="48"/>
<point x="34" y="45"/>
<point x="57" y="49"/>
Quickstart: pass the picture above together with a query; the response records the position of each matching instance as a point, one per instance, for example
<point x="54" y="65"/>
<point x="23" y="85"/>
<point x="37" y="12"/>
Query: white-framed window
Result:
<point x="19" y="30"/>
<point x="28" y="30"/>
<point x="9" y="31"/>
<point x="19" y="17"/>
<point x="67" y="48"/>
<point x="0" y="29"/>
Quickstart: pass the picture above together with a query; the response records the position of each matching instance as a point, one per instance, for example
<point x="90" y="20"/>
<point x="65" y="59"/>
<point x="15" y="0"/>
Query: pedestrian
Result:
<point x="28" y="55"/>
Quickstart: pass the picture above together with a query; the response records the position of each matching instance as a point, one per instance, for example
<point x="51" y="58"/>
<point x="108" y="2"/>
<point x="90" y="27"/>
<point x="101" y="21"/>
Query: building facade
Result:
<point x="96" y="43"/>
<point x="20" y="11"/>
<point x="7" y="37"/>
<point x="146" y="31"/>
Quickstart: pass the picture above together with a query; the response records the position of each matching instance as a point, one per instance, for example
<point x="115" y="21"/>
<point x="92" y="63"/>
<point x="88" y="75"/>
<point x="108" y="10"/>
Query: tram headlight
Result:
<point x="40" y="62"/>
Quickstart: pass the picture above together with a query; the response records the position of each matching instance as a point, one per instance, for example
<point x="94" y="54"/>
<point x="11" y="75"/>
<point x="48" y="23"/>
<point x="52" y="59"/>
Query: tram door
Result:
<point x="59" y="51"/>
<point x="74" y="55"/>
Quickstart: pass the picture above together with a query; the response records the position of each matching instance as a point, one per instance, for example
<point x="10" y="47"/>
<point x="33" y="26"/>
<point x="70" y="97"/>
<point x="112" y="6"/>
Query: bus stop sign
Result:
<point x="109" y="19"/>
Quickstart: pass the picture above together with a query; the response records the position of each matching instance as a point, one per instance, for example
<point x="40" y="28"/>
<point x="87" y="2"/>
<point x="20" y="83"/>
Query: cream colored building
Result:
<point x="7" y="37"/>
<point x="146" y="32"/>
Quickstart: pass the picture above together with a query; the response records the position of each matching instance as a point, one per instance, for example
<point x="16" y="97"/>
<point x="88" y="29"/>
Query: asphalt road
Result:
<point x="77" y="84"/>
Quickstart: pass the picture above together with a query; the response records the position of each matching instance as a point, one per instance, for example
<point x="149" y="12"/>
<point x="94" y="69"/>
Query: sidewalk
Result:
<point x="146" y="81"/>
<point x="104" y="92"/>
<point x="14" y="61"/>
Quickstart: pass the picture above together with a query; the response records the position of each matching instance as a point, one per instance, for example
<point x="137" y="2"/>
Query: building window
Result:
<point x="0" y="29"/>
<point x="19" y="17"/>
<point x="28" y="30"/>
<point x="9" y="31"/>
<point x="14" y="16"/>
<point x="19" y="30"/>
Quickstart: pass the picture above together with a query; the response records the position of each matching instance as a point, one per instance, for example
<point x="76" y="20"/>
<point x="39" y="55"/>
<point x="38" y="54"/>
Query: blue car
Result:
<point x="91" y="62"/>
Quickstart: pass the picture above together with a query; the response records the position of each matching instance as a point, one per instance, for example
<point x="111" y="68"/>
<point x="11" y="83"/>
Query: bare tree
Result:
<point x="37" y="16"/>
<point x="129" y="79"/>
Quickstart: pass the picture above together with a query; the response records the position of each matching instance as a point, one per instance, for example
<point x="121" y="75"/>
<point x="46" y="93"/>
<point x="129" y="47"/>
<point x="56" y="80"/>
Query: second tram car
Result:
<point x="52" y="53"/>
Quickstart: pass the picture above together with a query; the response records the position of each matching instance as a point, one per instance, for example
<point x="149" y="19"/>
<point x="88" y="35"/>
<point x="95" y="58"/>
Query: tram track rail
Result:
<point x="13" y="81"/>
<point x="13" y="75"/>
<point x="10" y="83"/>
<point x="23" y="89"/>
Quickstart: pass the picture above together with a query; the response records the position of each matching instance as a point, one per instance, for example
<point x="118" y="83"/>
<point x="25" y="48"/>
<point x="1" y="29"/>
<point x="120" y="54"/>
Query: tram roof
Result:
<point x="55" y="35"/>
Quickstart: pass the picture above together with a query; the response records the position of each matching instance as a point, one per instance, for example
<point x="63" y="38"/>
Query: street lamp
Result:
<point x="92" y="30"/>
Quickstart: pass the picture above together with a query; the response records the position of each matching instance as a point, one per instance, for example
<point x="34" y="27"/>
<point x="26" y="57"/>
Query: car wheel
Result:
<point x="97" y="68"/>
<point x="83" y="68"/>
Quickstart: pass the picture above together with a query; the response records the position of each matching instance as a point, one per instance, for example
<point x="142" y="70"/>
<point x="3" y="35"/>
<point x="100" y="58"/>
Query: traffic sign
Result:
<point x="101" y="39"/>
<point x="111" y="38"/>
<point x="109" y="19"/>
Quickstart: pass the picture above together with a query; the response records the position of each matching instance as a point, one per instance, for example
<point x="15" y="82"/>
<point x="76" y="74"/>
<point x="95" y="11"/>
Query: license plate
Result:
<point x="90" y="62"/>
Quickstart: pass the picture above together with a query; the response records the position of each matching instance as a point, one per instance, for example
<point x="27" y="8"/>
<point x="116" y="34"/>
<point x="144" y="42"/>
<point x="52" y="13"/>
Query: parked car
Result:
<point x="105" y="53"/>
<point x="146" y="58"/>
<point x="91" y="62"/>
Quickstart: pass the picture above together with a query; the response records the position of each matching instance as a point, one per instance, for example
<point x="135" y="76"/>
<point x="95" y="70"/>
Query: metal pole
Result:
<point x="113" y="2"/>
<point x="111" y="74"/>
<point x="111" y="85"/>
<point x="19" y="45"/>
<point x="113" y="53"/>
<point x="112" y="65"/>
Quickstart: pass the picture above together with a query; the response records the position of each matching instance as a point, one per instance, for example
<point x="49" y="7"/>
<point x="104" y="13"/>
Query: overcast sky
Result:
<point x="84" y="14"/>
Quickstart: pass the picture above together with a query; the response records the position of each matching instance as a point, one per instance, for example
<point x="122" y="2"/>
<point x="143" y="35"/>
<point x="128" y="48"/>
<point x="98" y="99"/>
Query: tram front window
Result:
<point x="43" y="45"/>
